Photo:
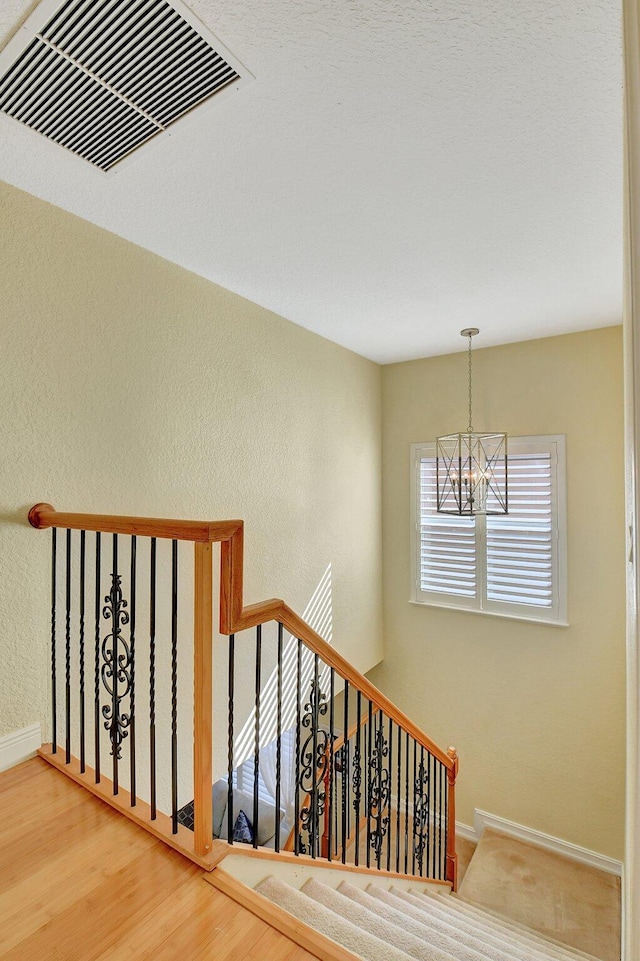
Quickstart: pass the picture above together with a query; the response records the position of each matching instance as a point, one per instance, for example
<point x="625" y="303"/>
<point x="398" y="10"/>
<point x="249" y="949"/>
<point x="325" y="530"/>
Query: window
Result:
<point x="514" y="564"/>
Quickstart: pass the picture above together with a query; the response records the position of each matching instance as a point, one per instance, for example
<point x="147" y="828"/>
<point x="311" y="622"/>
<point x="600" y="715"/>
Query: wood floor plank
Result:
<point x="79" y="882"/>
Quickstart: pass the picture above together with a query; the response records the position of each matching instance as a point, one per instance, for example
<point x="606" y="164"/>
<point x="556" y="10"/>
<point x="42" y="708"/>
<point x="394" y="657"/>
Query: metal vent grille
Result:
<point x="102" y="78"/>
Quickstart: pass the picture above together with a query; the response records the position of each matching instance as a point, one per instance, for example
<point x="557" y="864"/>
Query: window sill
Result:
<point x="473" y="610"/>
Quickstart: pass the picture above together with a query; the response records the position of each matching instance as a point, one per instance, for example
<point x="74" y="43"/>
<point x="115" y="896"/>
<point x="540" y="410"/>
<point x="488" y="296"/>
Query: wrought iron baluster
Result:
<point x="441" y="766"/>
<point x="54" y="681"/>
<point x="432" y="813"/>
<point x="116" y="663"/>
<point x="357" y="776"/>
<point x="96" y="690"/>
<point x="256" y="757"/>
<point x="152" y="678"/>
<point x="297" y="821"/>
<point x="389" y="830"/>
<point x="115" y="752"/>
<point x="174" y="687"/>
<point x="398" y="798"/>
<point x="345" y="772"/>
<point x="315" y="818"/>
<point x="83" y="554"/>
<point x="313" y="765"/>
<point x="67" y="652"/>
<point x="232" y="640"/>
<point x="331" y="766"/>
<point x="415" y="807"/>
<point x="132" y="673"/>
<point x="278" y="739"/>
<point x="420" y="809"/>
<point x="368" y="798"/>
<point x="406" y="805"/>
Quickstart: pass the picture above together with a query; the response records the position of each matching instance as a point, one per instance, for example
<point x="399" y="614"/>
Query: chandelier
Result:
<point x="471" y="468"/>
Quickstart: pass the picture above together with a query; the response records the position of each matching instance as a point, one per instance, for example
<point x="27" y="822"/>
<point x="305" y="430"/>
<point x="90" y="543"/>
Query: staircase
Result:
<point x="391" y="924"/>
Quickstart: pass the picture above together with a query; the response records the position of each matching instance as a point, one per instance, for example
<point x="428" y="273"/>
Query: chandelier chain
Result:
<point x="470" y="427"/>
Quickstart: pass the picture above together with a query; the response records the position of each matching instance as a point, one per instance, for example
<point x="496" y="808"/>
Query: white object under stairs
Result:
<point x="380" y="924"/>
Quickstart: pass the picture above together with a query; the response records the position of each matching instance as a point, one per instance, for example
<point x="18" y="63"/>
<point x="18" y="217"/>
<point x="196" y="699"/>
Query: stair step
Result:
<point x="479" y="915"/>
<point x="324" y="920"/>
<point x="381" y="927"/>
<point x="397" y="925"/>
<point x="492" y="939"/>
<point x="445" y="941"/>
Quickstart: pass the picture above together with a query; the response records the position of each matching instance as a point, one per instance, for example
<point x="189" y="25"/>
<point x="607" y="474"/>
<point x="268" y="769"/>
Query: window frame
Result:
<point x="555" y="445"/>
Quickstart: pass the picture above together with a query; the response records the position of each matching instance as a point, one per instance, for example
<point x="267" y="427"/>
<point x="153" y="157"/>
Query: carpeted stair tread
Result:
<point x="501" y="945"/>
<point x="446" y="940"/>
<point x="490" y="929"/>
<point x="368" y="920"/>
<point x="361" y="943"/>
<point x="481" y="915"/>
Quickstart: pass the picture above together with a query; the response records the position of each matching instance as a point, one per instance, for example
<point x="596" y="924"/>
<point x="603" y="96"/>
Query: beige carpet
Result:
<point x="567" y="901"/>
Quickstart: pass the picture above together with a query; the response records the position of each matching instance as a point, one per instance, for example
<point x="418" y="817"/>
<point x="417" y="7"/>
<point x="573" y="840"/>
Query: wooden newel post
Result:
<point x="202" y="700"/>
<point x="452" y="858"/>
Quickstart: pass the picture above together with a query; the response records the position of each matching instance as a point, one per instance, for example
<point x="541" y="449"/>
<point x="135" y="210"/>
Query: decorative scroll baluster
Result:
<point x="152" y="679"/>
<point x="379" y="792"/>
<point x="83" y="550"/>
<point x="313" y="766"/>
<point x="54" y="682"/>
<point x="116" y="664"/>
<point x="67" y="653"/>
<point x="96" y="679"/>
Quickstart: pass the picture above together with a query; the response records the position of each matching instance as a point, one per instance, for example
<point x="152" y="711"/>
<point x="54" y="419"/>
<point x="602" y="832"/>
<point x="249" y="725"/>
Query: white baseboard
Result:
<point x="19" y="746"/>
<point x="484" y="820"/>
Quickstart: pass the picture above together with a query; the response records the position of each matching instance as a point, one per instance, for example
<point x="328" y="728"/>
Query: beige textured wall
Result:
<point x="129" y="385"/>
<point x="536" y="712"/>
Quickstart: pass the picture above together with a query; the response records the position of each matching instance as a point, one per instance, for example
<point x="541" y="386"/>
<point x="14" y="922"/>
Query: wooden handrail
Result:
<point x="204" y="532"/>
<point x="234" y="616"/>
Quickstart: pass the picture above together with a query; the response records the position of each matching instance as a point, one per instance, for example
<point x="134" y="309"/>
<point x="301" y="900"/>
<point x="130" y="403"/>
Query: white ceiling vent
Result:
<point x="102" y="78"/>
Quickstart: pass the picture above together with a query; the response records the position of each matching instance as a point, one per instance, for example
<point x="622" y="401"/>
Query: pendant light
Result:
<point x="471" y="468"/>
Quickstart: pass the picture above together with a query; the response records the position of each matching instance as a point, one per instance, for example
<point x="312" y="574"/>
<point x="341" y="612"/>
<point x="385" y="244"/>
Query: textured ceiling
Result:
<point x="398" y="170"/>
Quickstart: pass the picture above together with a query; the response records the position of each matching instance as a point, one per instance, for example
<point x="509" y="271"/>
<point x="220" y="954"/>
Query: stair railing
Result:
<point x="119" y="580"/>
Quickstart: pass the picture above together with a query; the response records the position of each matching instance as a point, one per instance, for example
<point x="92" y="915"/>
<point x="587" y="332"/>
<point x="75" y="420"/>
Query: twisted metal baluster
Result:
<point x="67" y="650"/>
<point x="96" y="688"/>
<point x="174" y="687"/>
<point x="152" y="677"/>
<point x="256" y="758"/>
<point x="345" y="772"/>
<point x="132" y="661"/>
<point x="83" y="539"/>
<point x="54" y="682"/>
<point x="232" y="655"/>
<point x="278" y="738"/>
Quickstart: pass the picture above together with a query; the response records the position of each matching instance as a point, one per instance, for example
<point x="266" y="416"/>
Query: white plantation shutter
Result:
<point x="520" y="545"/>
<point x="447" y="543"/>
<point x="513" y="564"/>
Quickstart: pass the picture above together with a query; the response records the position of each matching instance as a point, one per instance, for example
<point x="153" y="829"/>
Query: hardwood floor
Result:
<point x="79" y="882"/>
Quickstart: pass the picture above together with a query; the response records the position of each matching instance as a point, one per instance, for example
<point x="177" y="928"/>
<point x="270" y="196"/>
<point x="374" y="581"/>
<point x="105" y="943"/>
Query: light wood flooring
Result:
<point x="79" y="882"/>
